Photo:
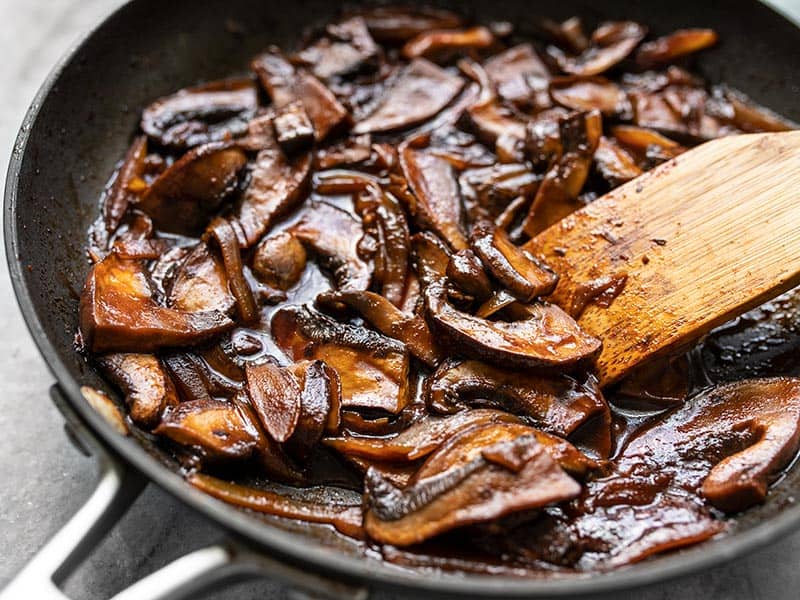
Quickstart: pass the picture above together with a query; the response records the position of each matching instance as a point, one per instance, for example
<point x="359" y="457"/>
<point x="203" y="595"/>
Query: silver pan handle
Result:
<point x="117" y="489"/>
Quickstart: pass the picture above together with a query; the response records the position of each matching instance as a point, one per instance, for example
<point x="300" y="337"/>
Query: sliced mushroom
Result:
<point x="466" y="272"/>
<point x="569" y="34"/>
<point x="106" y="408"/>
<point x="430" y="257"/>
<point x="118" y="313"/>
<point x="208" y="113"/>
<point x="646" y="144"/>
<point x="275" y="395"/>
<point x="547" y="337"/>
<point x="520" y="76"/>
<point x="319" y="407"/>
<point x="147" y="387"/>
<point x="294" y="131"/>
<point x="556" y="404"/>
<point x="345" y="49"/>
<point x="280" y="260"/>
<point x="521" y="273"/>
<point x="200" y="283"/>
<point x="412" y="330"/>
<point x="558" y="193"/>
<point x="747" y="115"/>
<point x="438" y="198"/>
<point x="219" y="430"/>
<point x="587" y="93"/>
<point x="183" y="198"/>
<point x="421" y="91"/>
<point x="442" y="45"/>
<point x="494" y="188"/>
<point x="373" y="369"/>
<point x="492" y="120"/>
<point x="277" y="185"/>
<point x="334" y="235"/>
<point x="611" y="43"/>
<point x="400" y="23"/>
<point x="482" y="474"/>
<point x="614" y="163"/>
<point x="223" y="233"/>
<point x="675" y="45"/>
<point x="285" y="84"/>
<point x="345" y="518"/>
<point x="127" y="187"/>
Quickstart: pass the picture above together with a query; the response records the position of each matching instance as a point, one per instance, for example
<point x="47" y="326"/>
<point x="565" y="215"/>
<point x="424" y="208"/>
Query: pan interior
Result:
<point x="149" y="48"/>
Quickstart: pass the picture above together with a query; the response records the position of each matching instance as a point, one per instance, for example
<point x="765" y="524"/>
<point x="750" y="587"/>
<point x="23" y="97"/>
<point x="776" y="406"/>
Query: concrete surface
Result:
<point x="43" y="480"/>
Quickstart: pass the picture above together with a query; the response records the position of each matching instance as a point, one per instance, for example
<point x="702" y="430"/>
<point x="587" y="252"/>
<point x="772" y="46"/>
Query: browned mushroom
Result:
<point x="480" y="475"/>
<point x="646" y="144"/>
<point x="277" y="185"/>
<point x="746" y="114"/>
<point x="611" y="43"/>
<point x="117" y="312"/>
<point x="293" y="129"/>
<point x="285" y="84"/>
<point x="442" y="45"/>
<point x="675" y="45"/>
<point x="400" y="23"/>
<point x="521" y="273"/>
<point x="466" y="272"/>
<point x="199" y="115"/>
<point x="569" y="34"/>
<point x="520" y="76"/>
<point x="319" y="407"/>
<point x="200" y="283"/>
<point x="412" y="330"/>
<point x="147" y="387"/>
<point x="373" y="369"/>
<point x="219" y="430"/>
<point x="587" y="93"/>
<point x="555" y="404"/>
<point x="430" y="257"/>
<point x="492" y="120"/>
<point x="614" y="163"/>
<point x="275" y="395"/>
<point x="280" y="260"/>
<point x="355" y="150"/>
<point x="183" y="197"/>
<point x="334" y="235"/>
<point x="433" y="182"/>
<point x="494" y="188"/>
<point x="547" y="337"/>
<point x="345" y="49"/>
<point x="223" y="233"/>
<point x="421" y="91"/>
<point x="126" y="189"/>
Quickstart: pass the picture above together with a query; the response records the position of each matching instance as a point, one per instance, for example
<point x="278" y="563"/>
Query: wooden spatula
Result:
<point x="702" y="239"/>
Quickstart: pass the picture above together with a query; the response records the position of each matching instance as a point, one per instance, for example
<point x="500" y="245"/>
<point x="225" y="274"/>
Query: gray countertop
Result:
<point x="43" y="479"/>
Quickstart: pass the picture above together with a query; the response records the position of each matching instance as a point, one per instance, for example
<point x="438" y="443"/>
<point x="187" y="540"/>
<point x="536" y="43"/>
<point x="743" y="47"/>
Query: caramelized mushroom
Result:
<point x="199" y="115"/>
<point x="183" y="197"/>
<point x="441" y="45"/>
<point x="547" y="337"/>
<point x="280" y="260"/>
<point x="482" y="474"/>
<point x="587" y="93"/>
<point x="275" y="395"/>
<point x="430" y="257"/>
<point x="200" y="283"/>
<point x="117" y="312"/>
<point x="293" y="129"/>
<point x="521" y="273"/>
<point x="675" y="45"/>
<point x="319" y="407"/>
<point x="748" y="116"/>
<point x="345" y="49"/>
<point x="373" y="369"/>
<point x="285" y="84"/>
<point x="494" y="188"/>
<point x="614" y="163"/>
<point x="433" y="182"/>
<point x="400" y="23"/>
<point x="421" y="91"/>
<point x="127" y="187"/>
<point x="466" y="272"/>
<point x="519" y="76"/>
<point x="147" y="387"/>
<point x="333" y="235"/>
<point x="611" y="43"/>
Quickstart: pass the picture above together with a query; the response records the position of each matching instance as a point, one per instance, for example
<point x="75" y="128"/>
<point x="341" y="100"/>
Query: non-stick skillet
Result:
<point x="81" y="121"/>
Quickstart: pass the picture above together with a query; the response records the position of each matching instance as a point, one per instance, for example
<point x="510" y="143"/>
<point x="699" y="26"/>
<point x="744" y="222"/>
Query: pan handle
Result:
<point x="117" y="489"/>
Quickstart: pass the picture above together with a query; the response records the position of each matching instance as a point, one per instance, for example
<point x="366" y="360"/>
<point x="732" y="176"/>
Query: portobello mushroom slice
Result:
<point x="466" y="272"/>
<point x="146" y="384"/>
<point x="275" y="396"/>
<point x="118" y="313"/>
<point x="673" y="46"/>
<point x="430" y="257"/>
<point x="730" y="442"/>
<point x="285" y="84"/>
<point x="193" y="116"/>
<point x="489" y="191"/>
<point x="615" y="164"/>
<point x="347" y="48"/>
<point x="219" y="430"/>
<point x="521" y="273"/>
<point x="333" y="235"/>
<point x="200" y="283"/>
<point x="520" y="76"/>
<point x="438" y="198"/>
<point x="421" y="91"/>
<point x="546" y="338"/>
<point x="389" y="320"/>
<point x="747" y="115"/>
<point x="184" y="197"/>
<point x="442" y="45"/>
<point x="393" y="24"/>
<point x="320" y="410"/>
<point x="611" y="43"/>
<point x="557" y="404"/>
<point x="277" y="185"/>
<point x="568" y="34"/>
<point x="373" y="369"/>
<point x="480" y="475"/>
<point x="294" y="131"/>
<point x="588" y="93"/>
<point x="279" y="260"/>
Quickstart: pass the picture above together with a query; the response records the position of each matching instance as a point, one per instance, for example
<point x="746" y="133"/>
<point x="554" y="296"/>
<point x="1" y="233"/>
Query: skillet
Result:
<point x="81" y="121"/>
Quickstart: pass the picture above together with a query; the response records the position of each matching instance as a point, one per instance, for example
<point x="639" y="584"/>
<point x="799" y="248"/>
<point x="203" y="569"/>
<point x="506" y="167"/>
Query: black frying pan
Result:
<point x="81" y="123"/>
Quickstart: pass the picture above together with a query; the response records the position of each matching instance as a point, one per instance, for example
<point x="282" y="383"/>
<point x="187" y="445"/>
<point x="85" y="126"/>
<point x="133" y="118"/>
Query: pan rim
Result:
<point x="323" y="559"/>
